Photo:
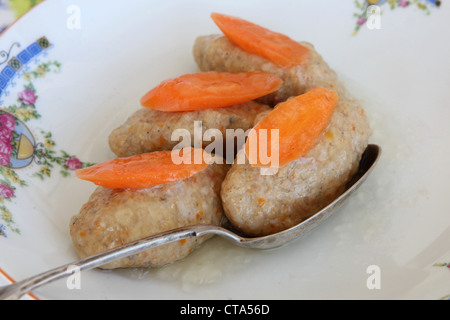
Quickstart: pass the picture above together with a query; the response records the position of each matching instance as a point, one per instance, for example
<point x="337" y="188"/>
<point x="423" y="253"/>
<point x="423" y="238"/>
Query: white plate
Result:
<point x="395" y="232"/>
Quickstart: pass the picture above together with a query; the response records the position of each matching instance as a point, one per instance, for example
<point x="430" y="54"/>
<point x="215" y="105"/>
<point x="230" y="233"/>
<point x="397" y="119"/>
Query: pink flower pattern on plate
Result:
<point x="7" y="120"/>
<point x="7" y="126"/>
<point x="27" y="96"/>
<point x="6" y="191"/>
<point x="73" y="164"/>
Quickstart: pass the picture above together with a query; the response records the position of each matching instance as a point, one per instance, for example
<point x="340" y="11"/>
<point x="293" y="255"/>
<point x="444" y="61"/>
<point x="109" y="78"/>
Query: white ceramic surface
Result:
<point x="99" y="66"/>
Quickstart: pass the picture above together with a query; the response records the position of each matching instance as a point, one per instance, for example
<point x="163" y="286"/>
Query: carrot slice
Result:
<point x="144" y="170"/>
<point x="209" y="90"/>
<point x="299" y="121"/>
<point x="252" y="38"/>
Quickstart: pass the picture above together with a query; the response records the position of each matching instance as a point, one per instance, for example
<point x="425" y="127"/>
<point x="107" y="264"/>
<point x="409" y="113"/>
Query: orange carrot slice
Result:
<point x="143" y="171"/>
<point x="299" y="121"/>
<point x="252" y="38"/>
<point x="209" y="90"/>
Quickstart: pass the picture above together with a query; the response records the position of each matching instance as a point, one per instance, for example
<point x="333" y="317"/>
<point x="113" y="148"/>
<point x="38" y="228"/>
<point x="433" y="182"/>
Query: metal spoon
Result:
<point x="18" y="289"/>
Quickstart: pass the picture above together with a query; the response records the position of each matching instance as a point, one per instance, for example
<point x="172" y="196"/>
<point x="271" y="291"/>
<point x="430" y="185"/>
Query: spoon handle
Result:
<point x="17" y="290"/>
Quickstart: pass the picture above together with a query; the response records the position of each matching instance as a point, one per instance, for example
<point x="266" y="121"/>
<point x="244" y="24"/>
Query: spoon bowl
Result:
<point x="367" y="164"/>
